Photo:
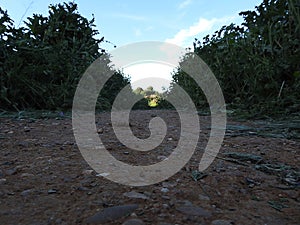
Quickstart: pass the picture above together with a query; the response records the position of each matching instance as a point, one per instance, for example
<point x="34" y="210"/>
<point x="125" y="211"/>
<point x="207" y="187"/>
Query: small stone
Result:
<point x="221" y="222"/>
<point x="133" y="222"/>
<point x="27" y="129"/>
<point x="12" y="171"/>
<point x="293" y="194"/>
<point x="26" y="175"/>
<point x="168" y="184"/>
<point x="111" y="213"/>
<point x="87" y="172"/>
<point x="185" y="202"/>
<point x="204" y="197"/>
<point x="165" y="197"/>
<point x="23" y="144"/>
<point x="133" y="214"/>
<point x="102" y="174"/>
<point x="7" y="163"/>
<point x="2" y="180"/>
<point x="194" y="211"/>
<point x="187" y="168"/>
<point x="147" y="193"/>
<point x="251" y="185"/>
<point x="164" y="190"/>
<point x="26" y="192"/>
<point x="100" y="131"/>
<point x="133" y="194"/>
<point x="83" y="188"/>
<point x="59" y="221"/>
<point x="165" y="206"/>
<point x="243" y="191"/>
<point x="52" y="191"/>
<point x="162" y="157"/>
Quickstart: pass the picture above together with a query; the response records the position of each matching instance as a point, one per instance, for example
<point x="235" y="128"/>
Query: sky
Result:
<point x="124" y="22"/>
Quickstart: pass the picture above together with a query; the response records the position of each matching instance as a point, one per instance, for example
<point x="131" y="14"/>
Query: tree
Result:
<point x="139" y="91"/>
<point x="257" y="64"/>
<point x="43" y="62"/>
<point x="149" y="91"/>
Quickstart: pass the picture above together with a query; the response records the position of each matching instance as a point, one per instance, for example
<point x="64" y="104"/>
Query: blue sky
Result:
<point x="128" y="21"/>
<point x="122" y="22"/>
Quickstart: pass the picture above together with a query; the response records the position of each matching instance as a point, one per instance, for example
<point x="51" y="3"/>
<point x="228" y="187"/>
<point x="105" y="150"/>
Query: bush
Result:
<point x="42" y="63"/>
<point x="256" y="64"/>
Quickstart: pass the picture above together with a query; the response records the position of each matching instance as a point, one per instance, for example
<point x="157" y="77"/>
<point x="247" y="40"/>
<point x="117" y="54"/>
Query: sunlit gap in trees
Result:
<point x="146" y="74"/>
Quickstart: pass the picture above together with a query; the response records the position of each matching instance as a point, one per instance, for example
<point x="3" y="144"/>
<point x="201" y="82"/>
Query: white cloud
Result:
<point x="203" y="25"/>
<point x="184" y="4"/>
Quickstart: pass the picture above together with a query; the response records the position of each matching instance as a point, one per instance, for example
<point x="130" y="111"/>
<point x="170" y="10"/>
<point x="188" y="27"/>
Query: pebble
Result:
<point x="133" y="222"/>
<point x="52" y="191"/>
<point x="165" y="206"/>
<point x="26" y="175"/>
<point x="100" y="131"/>
<point x="293" y="194"/>
<point x="204" y="197"/>
<point x="26" y="192"/>
<point x="68" y="143"/>
<point x="185" y="202"/>
<point x="111" y="213"/>
<point x="23" y="144"/>
<point x="12" y="171"/>
<point x="165" y="197"/>
<point x="2" y="180"/>
<point x="164" y="190"/>
<point x="243" y="191"/>
<point x="27" y="129"/>
<point x="83" y="188"/>
<point x="168" y="184"/>
<point x="162" y="157"/>
<point x="87" y="172"/>
<point x="133" y="194"/>
<point x="194" y="211"/>
<point x="221" y="222"/>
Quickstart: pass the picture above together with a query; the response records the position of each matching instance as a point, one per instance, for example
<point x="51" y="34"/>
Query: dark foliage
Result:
<point x="257" y="64"/>
<point x="41" y="63"/>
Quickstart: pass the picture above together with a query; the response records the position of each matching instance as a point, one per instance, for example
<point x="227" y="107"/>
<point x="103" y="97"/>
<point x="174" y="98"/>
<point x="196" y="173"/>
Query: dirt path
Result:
<point x="45" y="180"/>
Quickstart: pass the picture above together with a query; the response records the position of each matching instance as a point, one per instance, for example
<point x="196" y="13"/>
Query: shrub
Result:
<point x="42" y="63"/>
<point x="256" y="64"/>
